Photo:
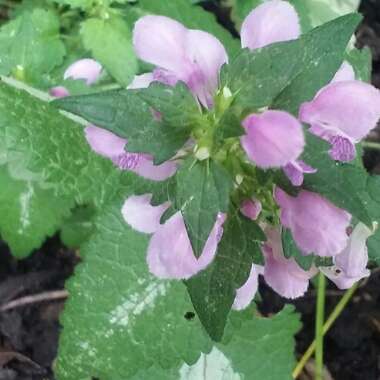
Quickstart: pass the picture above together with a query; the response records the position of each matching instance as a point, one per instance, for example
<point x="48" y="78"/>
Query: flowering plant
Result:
<point x="215" y="167"/>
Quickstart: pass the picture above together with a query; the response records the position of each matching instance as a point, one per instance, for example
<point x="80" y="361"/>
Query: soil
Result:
<point x="29" y="334"/>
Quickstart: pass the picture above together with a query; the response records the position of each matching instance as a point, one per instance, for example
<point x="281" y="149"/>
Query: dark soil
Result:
<point x="29" y="334"/>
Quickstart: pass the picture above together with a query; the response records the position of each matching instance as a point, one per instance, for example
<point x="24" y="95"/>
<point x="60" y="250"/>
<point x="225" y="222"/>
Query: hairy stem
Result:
<point x="326" y="327"/>
<point x="319" y="320"/>
<point x="371" y="145"/>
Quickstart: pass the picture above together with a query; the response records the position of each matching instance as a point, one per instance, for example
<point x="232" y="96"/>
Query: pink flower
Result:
<point x="272" y="139"/>
<point x="271" y="22"/>
<point x="251" y="208"/>
<point x="59" y="92"/>
<point x="113" y="147"/>
<point x="343" y="113"/>
<point x="284" y="275"/>
<point x="295" y="171"/>
<point x="246" y="293"/>
<point x="87" y="69"/>
<point x="316" y="224"/>
<point x="106" y="143"/>
<point x="170" y="254"/>
<point x="351" y="264"/>
<point x="192" y="56"/>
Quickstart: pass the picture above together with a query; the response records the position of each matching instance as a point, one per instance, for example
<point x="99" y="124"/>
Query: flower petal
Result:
<point x="207" y="55"/>
<point x="283" y="275"/>
<point x="170" y="254"/>
<point x="161" y="41"/>
<point x="251" y="208"/>
<point x="317" y="225"/>
<point x="345" y="73"/>
<point x="247" y="292"/>
<point x="273" y="138"/>
<point x="273" y="21"/>
<point x="145" y="168"/>
<point x="104" y="142"/>
<point x="87" y="69"/>
<point x="341" y="279"/>
<point x="59" y="92"/>
<point x="165" y="77"/>
<point x="350" y="109"/>
<point x="295" y="171"/>
<point x="141" y="81"/>
<point x="342" y="149"/>
<point x="141" y="215"/>
<point x="354" y="258"/>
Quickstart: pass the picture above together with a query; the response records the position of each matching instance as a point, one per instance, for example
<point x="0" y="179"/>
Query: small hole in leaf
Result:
<point x="189" y="315"/>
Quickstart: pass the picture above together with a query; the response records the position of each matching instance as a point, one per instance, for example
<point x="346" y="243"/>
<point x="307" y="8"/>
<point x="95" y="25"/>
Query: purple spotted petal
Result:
<point x="273" y="21"/>
<point x="251" y="208"/>
<point x="342" y="149"/>
<point x="170" y="254"/>
<point x="141" y="215"/>
<point x="273" y="138"/>
<point x="349" y="109"/>
<point x="247" y="292"/>
<point x="111" y="146"/>
<point x="295" y="171"/>
<point x="59" y="92"/>
<point x="283" y="275"/>
<point x="86" y="69"/>
<point x="316" y="224"/>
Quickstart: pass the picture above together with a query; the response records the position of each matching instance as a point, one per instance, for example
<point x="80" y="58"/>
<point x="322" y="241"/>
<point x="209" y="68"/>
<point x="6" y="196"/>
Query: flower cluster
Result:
<point x="342" y="113"/>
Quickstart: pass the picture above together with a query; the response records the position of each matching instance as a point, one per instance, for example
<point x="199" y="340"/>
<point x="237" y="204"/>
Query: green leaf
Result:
<point x="32" y="213"/>
<point x="110" y="42"/>
<point x="83" y="4"/>
<point x="322" y="58"/>
<point x="322" y="11"/>
<point x="139" y="327"/>
<point x="176" y="105"/>
<point x="78" y="228"/>
<point x="291" y="250"/>
<point x="257" y="77"/>
<point x="213" y="290"/>
<point x="49" y="169"/>
<point x="361" y="60"/>
<point x="30" y="45"/>
<point x="343" y="184"/>
<point x="133" y="319"/>
<point x="202" y="191"/>
<point x="128" y="113"/>
<point x="373" y="244"/>
<point x="192" y="16"/>
<point x="373" y="201"/>
<point x="229" y="126"/>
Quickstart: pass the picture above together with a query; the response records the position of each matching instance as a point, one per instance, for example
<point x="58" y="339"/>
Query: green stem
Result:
<point x="320" y="317"/>
<point x="371" y="145"/>
<point x="326" y="327"/>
